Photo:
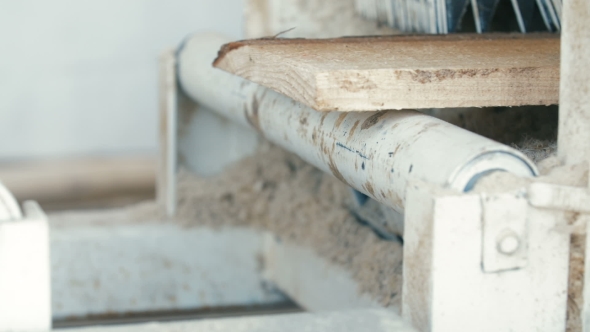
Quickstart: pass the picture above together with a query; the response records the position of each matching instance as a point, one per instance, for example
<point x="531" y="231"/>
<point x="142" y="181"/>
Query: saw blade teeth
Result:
<point x="383" y="11"/>
<point x="483" y="12"/>
<point x="446" y="16"/>
<point x="542" y="5"/>
<point x="553" y="14"/>
<point x="454" y="11"/>
<point x="524" y="11"/>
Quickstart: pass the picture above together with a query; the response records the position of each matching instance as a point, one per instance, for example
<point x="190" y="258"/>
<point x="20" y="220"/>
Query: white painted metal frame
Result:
<point x="314" y="283"/>
<point x="446" y="248"/>
<point x="104" y="263"/>
<point x="374" y="320"/>
<point x="167" y="163"/>
<point x="445" y="286"/>
<point x="25" y="292"/>
<point x="574" y="105"/>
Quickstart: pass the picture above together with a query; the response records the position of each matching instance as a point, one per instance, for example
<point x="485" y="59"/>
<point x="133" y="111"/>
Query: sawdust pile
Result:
<point x="530" y="129"/>
<point x="277" y="191"/>
<point x="537" y="150"/>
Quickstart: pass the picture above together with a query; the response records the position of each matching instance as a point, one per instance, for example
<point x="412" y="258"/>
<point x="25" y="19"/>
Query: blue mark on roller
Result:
<point x="353" y="151"/>
<point x="359" y="197"/>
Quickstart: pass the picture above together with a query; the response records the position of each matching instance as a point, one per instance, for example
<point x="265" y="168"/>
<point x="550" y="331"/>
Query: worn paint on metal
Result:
<point x="419" y="146"/>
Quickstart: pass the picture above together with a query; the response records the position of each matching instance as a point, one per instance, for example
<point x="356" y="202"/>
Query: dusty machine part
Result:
<point x="373" y="152"/>
<point x="278" y="192"/>
<point x="25" y="290"/>
<point x="376" y="320"/>
<point x="530" y="129"/>
<point x="575" y="176"/>
<point x="168" y="163"/>
<point x="449" y="241"/>
<point x="574" y="125"/>
<point x="574" y="120"/>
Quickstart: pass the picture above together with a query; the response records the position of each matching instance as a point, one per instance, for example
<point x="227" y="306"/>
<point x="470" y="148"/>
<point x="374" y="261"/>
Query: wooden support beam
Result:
<point x="396" y="72"/>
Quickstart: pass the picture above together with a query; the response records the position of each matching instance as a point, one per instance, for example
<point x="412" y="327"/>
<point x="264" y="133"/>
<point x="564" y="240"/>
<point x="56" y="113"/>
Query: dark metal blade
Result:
<point x="524" y="10"/>
<point x="483" y="12"/>
<point x="455" y="9"/>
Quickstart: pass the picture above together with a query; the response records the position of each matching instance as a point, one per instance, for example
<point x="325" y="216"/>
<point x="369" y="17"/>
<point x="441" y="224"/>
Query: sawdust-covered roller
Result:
<point x="377" y="153"/>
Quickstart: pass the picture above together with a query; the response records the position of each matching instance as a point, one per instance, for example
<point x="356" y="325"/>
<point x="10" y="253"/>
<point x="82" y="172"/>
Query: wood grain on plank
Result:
<point x="396" y="72"/>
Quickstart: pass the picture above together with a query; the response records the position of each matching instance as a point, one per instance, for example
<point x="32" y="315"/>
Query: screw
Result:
<point x="508" y="242"/>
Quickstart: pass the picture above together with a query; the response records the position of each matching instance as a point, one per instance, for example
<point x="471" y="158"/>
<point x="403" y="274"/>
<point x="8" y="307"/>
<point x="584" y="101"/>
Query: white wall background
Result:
<point x="79" y="77"/>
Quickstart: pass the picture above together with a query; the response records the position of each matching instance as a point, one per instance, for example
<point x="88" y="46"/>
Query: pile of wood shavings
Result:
<point x="278" y="192"/>
<point x="530" y="129"/>
<point x="537" y="150"/>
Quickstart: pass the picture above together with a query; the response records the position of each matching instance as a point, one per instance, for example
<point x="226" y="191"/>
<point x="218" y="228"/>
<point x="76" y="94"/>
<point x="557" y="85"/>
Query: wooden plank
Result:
<point x="396" y="72"/>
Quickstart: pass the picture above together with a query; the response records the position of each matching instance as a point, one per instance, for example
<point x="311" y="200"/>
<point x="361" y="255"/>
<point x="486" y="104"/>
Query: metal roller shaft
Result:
<point x="377" y="153"/>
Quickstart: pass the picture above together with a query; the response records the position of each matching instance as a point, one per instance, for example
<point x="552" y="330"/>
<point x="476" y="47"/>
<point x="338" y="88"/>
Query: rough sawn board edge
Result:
<point x="343" y="89"/>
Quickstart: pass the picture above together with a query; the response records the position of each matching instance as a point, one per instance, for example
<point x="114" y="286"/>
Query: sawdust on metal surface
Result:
<point x="576" y="176"/>
<point x="276" y="191"/>
<point x="530" y="129"/>
<point x="570" y="175"/>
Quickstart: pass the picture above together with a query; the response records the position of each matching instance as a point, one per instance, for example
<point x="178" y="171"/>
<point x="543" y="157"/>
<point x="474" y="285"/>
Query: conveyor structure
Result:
<point x="488" y="241"/>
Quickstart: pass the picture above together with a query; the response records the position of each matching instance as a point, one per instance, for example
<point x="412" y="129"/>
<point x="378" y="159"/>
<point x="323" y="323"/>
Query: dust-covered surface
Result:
<point x="537" y="150"/>
<point x="530" y="129"/>
<point x="575" y="298"/>
<point x="278" y="192"/>
<point x="570" y="175"/>
<point x="576" y="176"/>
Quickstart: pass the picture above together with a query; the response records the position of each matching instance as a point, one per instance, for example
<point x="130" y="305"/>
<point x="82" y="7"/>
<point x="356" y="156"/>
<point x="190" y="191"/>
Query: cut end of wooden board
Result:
<point x="397" y="72"/>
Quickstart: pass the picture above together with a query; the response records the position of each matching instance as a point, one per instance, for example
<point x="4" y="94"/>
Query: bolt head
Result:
<point x="509" y="243"/>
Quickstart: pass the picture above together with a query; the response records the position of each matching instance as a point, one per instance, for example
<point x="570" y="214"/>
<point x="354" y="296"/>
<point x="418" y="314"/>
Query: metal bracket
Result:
<point x="505" y="231"/>
<point x="563" y="198"/>
<point x="505" y="221"/>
